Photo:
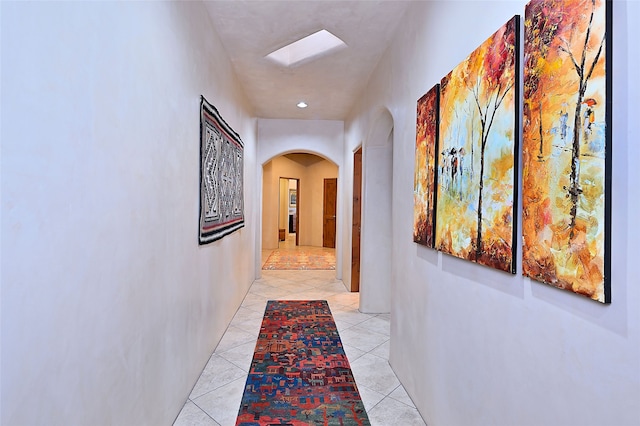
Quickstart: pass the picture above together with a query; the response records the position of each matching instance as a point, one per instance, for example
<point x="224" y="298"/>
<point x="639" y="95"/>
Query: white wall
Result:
<point x="110" y="308"/>
<point x="269" y="201"/>
<point x="376" y="257"/>
<point x="321" y="137"/>
<point x="474" y="346"/>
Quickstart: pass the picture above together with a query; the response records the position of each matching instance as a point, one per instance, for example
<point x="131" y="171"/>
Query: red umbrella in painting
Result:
<point x="590" y="102"/>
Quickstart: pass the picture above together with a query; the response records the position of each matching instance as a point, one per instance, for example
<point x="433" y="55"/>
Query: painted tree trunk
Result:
<point x="574" y="177"/>
<point x="480" y="187"/>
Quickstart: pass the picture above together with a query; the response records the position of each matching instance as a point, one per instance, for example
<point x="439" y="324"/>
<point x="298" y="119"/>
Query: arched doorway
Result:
<point x="293" y="215"/>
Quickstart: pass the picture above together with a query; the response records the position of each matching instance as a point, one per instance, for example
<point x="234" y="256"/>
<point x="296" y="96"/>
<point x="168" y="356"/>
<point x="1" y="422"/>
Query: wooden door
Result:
<point x="355" y="228"/>
<point x="329" y="213"/>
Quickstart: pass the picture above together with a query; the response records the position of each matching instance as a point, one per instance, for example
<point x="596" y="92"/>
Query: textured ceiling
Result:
<point x="250" y="30"/>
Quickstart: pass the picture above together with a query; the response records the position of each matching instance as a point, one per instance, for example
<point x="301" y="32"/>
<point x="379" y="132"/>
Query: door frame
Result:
<point x="356" y="223"/>
<point x="297" y="207"/>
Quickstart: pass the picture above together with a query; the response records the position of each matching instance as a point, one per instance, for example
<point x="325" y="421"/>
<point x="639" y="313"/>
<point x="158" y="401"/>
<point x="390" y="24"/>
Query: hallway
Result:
<point x="113" y="313"/>
<point x="215" y="398"/>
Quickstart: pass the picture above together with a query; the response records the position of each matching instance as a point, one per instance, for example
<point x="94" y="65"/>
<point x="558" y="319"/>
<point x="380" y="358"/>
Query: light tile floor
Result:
<point x="215" y="398"/>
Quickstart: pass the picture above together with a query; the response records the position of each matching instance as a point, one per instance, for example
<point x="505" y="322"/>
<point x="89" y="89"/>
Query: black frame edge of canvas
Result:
<point x="203" y="239"/>
<point x="608" y="161"/>
<point x="516" y="141"/>
<point x="436" y="156"/>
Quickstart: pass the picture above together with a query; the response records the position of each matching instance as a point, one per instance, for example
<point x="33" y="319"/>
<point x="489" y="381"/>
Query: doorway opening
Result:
<point x="288" y="213"/>
<point x="299" y="230"/>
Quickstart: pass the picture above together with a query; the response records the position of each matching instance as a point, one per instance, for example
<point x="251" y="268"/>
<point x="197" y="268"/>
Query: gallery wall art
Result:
<point x="221" y="176"/>
<point x="476" y="191"/>
<point x="567" y="145"/>
<point x="424" y="192"/>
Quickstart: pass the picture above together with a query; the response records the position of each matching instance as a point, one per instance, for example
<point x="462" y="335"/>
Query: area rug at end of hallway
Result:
<point x="300" y="374"/>
<point x="309" y="258"/>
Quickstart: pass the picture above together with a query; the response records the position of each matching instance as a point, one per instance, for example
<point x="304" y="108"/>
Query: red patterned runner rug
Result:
<point x="300" y="375"/>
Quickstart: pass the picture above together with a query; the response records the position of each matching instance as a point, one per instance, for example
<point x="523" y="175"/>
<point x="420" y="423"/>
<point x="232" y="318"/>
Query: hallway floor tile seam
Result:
<point x="204" y="411"/>
<point x="231" y="328"/>
<point x="217" y="388"/>
<point x="246" y="370"/>
<point x="381" y="357"/>
<point x="381" y="401"/>
<point x="180" y="420"/>
<point x="217" y="403"/>
<point x="359" y="325"/>
<point x="294" y="295"/>
<point x="389" y="396"/>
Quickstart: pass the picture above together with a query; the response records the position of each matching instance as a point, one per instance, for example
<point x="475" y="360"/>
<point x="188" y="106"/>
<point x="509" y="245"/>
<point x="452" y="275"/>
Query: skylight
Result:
<point x="311" y="46"/>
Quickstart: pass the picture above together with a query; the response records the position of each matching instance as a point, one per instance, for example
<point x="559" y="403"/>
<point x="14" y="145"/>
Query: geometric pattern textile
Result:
<point x="300" y="375"/>
<point x="308" y="258"/>
<point x="221" y="176"/>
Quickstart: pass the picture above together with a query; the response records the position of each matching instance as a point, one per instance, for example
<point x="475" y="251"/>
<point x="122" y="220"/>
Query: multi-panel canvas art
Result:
<point x="476" y="190"/>
<point x="424" y="194"/>
<point x="221" y="176"/>
<point x="566" y="145"/>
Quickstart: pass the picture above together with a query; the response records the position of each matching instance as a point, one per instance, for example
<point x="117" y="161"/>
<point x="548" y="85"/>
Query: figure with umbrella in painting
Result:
<point x="589" y="116"/>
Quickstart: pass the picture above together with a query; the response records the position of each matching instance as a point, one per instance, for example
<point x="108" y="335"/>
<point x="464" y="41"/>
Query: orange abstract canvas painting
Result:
<point x="424" y="196"/>
<point x="566" y="145"/>
<point x="479" y="102"/>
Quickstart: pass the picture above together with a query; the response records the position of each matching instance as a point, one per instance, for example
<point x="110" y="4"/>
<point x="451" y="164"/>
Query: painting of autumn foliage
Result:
<point x="477" y="153"/>
<point x="566" y="147"/>
<point x="424" y="197"/>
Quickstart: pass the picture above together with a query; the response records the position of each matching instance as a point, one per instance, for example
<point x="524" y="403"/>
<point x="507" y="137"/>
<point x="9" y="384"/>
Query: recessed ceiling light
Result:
<point x="309" y="47"/>
<point x="302" y="104"/>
